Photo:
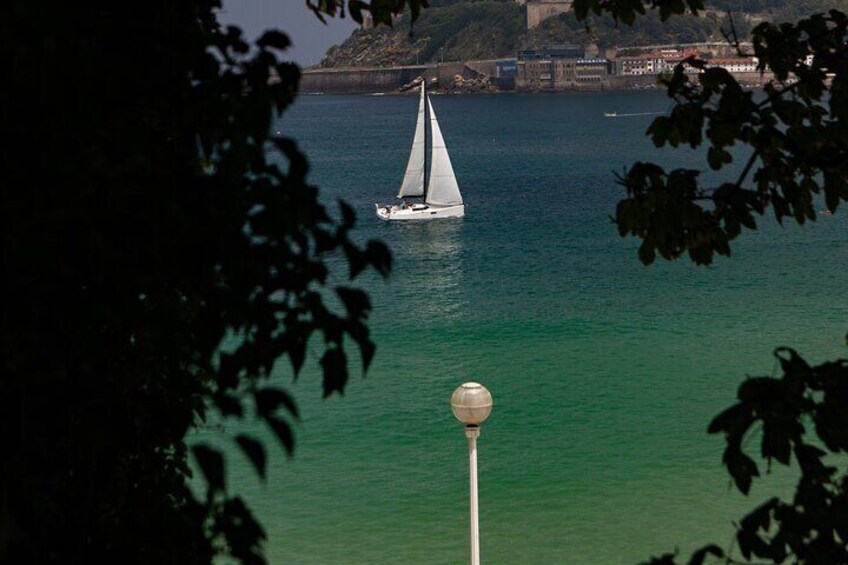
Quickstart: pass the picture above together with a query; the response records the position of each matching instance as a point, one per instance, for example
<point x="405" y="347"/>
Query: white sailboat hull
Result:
<point x="419" y="212"/>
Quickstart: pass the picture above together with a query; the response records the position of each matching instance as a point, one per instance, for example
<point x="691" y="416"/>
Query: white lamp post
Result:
<point x="471" y="403"/>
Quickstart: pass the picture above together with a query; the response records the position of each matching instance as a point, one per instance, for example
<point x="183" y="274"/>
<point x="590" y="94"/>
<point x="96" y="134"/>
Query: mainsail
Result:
<point x="413" y="179"/>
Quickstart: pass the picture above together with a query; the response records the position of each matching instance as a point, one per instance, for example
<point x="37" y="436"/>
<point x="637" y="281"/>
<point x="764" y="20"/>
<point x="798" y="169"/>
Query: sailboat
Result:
<point x="437" y="187"/>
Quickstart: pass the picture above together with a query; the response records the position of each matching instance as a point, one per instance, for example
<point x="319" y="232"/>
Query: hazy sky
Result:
<point x="309" y="36"/>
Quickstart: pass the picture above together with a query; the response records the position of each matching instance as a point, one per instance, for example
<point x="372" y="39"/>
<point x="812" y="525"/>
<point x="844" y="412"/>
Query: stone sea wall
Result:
<point x="389" y="79"/>
<point x="392" y="79"/>
<point x="357" y="80"/>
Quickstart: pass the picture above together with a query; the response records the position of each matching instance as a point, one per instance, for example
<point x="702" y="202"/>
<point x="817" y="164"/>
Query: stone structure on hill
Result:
<point x="538" y="10"/>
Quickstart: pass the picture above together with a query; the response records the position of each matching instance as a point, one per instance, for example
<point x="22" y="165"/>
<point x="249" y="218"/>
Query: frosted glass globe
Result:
<point x="471" y="403"/>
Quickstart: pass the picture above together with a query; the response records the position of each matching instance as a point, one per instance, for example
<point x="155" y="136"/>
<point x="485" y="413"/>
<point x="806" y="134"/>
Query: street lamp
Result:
<point x="471" y="403"/>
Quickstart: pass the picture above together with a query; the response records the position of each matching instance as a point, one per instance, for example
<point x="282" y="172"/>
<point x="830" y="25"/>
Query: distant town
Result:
<point x="569" y="67"/>
<point x="547" y="69"/>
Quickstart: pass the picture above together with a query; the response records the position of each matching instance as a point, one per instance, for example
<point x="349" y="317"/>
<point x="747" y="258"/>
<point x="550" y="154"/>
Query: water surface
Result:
<point x="605" y="373"/>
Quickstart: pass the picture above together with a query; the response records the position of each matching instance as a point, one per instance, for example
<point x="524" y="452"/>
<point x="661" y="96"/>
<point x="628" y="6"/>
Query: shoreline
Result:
<point x="475" y="77"/>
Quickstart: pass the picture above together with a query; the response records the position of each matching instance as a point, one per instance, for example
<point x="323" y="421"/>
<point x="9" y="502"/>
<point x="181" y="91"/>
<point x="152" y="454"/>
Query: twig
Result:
<point x="751" y="160"/>
<point x="735" y="35"/>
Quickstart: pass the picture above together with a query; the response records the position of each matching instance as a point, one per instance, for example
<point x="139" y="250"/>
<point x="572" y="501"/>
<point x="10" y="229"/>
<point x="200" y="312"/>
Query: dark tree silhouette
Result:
<point x="143" y="221"/>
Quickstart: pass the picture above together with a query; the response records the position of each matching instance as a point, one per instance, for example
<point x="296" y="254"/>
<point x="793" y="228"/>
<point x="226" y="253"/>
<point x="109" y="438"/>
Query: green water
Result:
<point x="604" y="373"/>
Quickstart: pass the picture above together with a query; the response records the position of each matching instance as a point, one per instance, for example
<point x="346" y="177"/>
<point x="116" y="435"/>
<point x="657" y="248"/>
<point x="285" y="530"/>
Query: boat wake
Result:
<point x="617" y="115"/>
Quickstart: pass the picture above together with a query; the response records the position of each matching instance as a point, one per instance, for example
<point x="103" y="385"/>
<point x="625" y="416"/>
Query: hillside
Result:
<point x="457" y="30"/>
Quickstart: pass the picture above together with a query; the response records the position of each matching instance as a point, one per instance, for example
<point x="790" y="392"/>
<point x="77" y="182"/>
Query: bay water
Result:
<point x="604" y="373"/>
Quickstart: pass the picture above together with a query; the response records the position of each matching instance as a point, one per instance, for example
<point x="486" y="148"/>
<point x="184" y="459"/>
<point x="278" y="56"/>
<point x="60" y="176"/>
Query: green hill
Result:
<point x="449" y="31"/>
<point x="465" y="30"/>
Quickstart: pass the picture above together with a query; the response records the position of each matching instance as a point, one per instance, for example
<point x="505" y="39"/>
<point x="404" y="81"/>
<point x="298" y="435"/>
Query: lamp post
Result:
<point x="471" y="403"/>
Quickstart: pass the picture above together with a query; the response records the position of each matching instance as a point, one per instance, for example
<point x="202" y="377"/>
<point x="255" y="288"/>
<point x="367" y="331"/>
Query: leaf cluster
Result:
<point x="380" y="11"/>
<point x="795" y="137"/>
<point x="625" y="11"/>
<point x="813" y="526"/>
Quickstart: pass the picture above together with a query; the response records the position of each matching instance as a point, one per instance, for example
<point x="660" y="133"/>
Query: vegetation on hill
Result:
<point x="489" y="29"/>
<point x="448" y="31"/>
<point x="602" y="31"/>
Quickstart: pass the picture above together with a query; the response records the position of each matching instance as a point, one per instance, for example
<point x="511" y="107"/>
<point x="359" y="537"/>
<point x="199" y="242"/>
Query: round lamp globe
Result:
<point x="471" y="403"/>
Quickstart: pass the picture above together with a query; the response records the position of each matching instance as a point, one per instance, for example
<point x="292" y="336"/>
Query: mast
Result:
<point x="426" y="140"/>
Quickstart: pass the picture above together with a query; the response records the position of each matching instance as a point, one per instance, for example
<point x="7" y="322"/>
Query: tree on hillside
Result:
<point x="145" y="219"/>
<point x="795" y="142"/>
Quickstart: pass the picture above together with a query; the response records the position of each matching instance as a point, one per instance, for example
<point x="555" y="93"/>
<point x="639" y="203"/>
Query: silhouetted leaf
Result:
<point x="356" y="259"/>
<point x="367" y="350"/>
<point x="741" y="467"/>
<point x="348" y="214"/>
<point x="334" y="364"/>
<point x="241" y="531"/>
<point x="717" y="158"/>
<point x="355" y="8"/>
<point x="211" y="464"/>
<point x="228" y="405"/>
<point x="283" y="432"/>
<point x="664" y="559"/>
<point x="777" y="445"/>
<point x="274" y="39"/>
<point x="255" y="451"/>
<point x="268" y="400"/>
<point x="810" y="460"/>
<point x="356" y="302"/>
<point x="699" y="556"/>
<point x="757" y="388"/>
<point x="297" y="351"/>
<point x="380" y="257"/>
<point x="758" y="520"/>
<point x="791" y="362"/>
<point x="734" y="420"/>
<point x="647" y="254"/>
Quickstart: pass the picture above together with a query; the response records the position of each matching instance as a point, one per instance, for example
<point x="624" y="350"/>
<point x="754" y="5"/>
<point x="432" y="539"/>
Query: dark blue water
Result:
<point x="605" y="373"/>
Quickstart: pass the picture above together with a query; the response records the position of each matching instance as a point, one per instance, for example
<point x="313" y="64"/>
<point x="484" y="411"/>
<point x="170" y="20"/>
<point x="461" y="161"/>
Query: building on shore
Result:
<point x="551" y="52"/>
<point x="652" y="63"/>
<point x="560" y="67"/>
<point x="664" y="60"/>
<point x="735" y="64"/>
<point x="562" y="74"/>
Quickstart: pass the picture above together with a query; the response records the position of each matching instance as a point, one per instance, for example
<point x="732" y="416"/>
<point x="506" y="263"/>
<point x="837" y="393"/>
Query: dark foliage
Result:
<point x="813" y="527"/>
<point x="143" y="221"/>
<point x="795" y="141"/>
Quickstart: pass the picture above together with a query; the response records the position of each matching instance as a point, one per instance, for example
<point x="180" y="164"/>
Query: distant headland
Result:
<point x="549" y="69"/>
<point x="540" y="46"/>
